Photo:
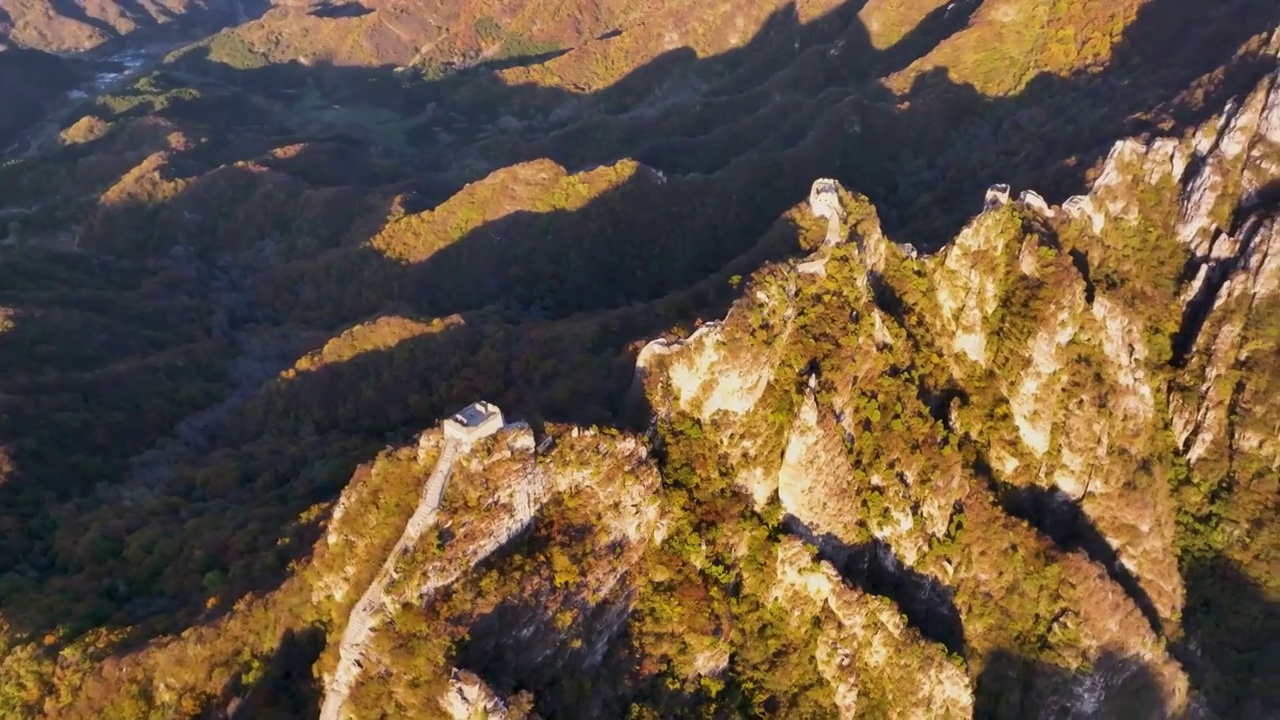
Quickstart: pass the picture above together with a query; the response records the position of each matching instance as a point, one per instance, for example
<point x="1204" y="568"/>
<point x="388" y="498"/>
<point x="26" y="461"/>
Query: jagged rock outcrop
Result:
<point x="469" y="697"/>
<point x="818" y="485"/>
<point x="867" y="651"/>
<point x="824" y="201"/>
<point x="1223" y="344"/>
<point x="968" y="281"/>
<point x="814" y="468"/>
<point x="723" y="370"/>
<point x="1216" y="191"/>
<point x="1034" y="201"/>
<point x="846" y="495"/>
<point x="734" y="389"/>
<point x="1227" y="218"/>
<point x="1080" y="207"/>
<point x="1232" y="170"/>
<point x="1083" y="431"/>
<point x="1033" y="400"/>
<point x="1227" y="163"/>
<point x="996" y="196"/>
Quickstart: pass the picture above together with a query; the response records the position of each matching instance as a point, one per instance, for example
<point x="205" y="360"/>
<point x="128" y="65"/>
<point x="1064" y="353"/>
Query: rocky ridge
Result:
<point x="915" y="495"/>
<point x="505" y="486"/>
<point x="1086" y="450"/>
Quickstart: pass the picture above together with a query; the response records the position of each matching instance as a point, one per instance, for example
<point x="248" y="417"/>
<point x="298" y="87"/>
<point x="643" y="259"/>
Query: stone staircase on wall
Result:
<point x="434" y="489"/>
<point x="372" y="607"/>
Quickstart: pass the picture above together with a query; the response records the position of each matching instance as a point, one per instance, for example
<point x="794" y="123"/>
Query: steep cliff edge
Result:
<point x="1082" y="354"/>
<point x="1059" y="364"/>
<point x="1204" y="205"/>
<point x="851" y="412"/>
<point x="865" y="640"/>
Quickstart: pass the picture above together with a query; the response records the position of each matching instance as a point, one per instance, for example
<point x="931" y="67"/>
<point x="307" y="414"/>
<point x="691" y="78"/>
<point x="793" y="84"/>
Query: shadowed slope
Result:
<point x="552" y="300"/>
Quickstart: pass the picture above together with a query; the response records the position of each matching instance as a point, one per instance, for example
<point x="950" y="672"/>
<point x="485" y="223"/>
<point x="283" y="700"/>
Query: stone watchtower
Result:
<point x="824" y="198"/>
<point x="473" y="423"/>
<point x="824" y="202"/>
<point x="997" y="196"/>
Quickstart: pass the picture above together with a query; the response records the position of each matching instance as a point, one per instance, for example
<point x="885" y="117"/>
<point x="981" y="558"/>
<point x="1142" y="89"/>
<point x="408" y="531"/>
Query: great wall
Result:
<point x="480" y="420"/>
<point x="461" y="431"/>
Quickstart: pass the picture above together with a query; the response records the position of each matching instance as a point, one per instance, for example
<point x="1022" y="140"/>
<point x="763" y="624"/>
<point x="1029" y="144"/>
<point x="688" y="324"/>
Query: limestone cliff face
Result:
<point x="1083" y="409"/>
<point x="967" y="282"/>
<point x="871" y="478"/>
<point x="866" y="643"/>
<point x="734" y="387"/>
<point x="814" y="466"/>
<point x="1043" y="378"/>
<point x="1077" y="389"/>
<point x="721" y="372"/>
<point x="469" y="697"/>
<point x="1215" y="192"/>
<point x="1075" y="381"/>
<point x="1222" y="400"/>
<point x="817" y="484"/>
<point x="1204" y="418"/>
<point x="1227" y="218"/>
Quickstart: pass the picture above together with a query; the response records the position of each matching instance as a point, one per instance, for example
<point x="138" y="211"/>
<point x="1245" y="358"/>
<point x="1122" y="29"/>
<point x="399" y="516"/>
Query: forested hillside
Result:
<point x="1012" y="458"/>
<point x="32" y="83"/>
<point x="75" y="27"/>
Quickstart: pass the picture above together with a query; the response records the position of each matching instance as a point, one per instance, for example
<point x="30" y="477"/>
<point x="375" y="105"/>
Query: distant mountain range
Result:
<point x="76" y="26"/>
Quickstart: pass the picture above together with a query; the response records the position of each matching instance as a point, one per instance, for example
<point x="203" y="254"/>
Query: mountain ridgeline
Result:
<point x="860" y="358"/>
